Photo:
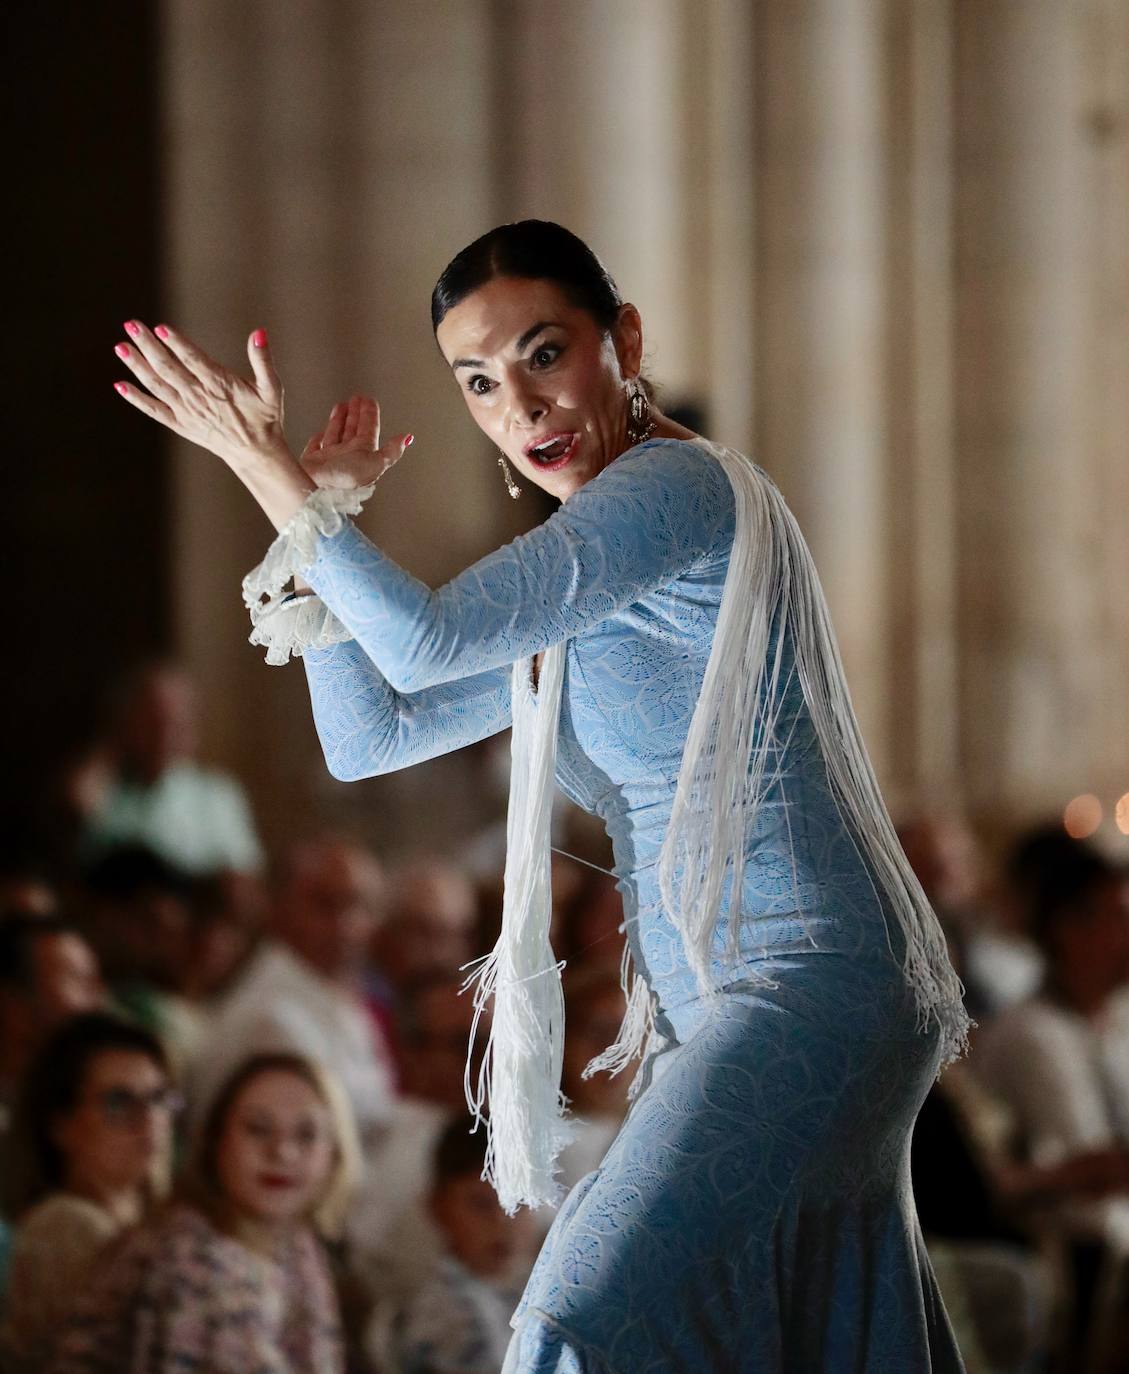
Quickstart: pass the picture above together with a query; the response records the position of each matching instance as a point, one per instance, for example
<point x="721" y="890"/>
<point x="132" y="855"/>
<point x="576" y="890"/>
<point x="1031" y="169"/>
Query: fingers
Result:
<point x="152" y="363"/>
<point x="313" y="446"/>
<point x="355" y="420"/>
<point x="148" y="405"/>
<point x="266" y="378"/>
<point x="192" y="359"/>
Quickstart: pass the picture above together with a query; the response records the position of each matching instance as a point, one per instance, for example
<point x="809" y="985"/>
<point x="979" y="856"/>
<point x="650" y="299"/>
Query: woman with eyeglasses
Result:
<point x="93" y="1137"/>
<point x="232" y="1276"/>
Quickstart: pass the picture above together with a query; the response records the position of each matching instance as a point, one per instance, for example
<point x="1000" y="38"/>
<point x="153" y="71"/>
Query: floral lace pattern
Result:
<point x="755" y="1210"/>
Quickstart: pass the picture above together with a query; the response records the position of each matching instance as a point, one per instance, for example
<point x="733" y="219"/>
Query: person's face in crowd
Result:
<point x="434" y="1054"/>
<point x="276" y="1150"/>
<point x="331" y="908"/>
<point x="479" y="1233"/>
<point x="533" y="367"/>
<point x="227" y="935"/>
<point x="943" y="853"/>
<point x="159" y="724"/>
<point x="432" y="924"/>
<point x="120" y="1130"/>
<point x="67" y="979"/>
<point x="593" y="1025"/>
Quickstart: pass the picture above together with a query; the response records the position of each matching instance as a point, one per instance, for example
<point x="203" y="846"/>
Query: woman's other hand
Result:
<point x="200" y="399"/>
<point x="348" y="452"/>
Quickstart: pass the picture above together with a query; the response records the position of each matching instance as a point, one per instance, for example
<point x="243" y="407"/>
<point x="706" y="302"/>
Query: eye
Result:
<point x="546" y="354"/>
<point x="475" y="389"/>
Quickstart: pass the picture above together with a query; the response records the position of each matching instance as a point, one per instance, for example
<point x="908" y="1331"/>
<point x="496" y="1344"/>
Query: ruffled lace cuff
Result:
<point x="289" y="625"/>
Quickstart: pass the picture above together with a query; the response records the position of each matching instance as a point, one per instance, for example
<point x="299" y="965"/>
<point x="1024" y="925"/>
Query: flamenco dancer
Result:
<point x="662" y="649"/>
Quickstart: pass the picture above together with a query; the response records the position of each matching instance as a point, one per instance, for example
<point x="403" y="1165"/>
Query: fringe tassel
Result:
<point x="772" y="587"/>
<point x="518" y="1095"/>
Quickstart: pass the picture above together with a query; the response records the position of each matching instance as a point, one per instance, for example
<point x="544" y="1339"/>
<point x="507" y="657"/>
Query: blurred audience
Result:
<point x="304" y="987"/>
<point x="91" y="1153"/>
<point x="141" y="784"/>
<point x="48" y="972"/>
<point x="431" y="928"/>
<point x="232" y="1277"/>
<point x="458" y="1319"/>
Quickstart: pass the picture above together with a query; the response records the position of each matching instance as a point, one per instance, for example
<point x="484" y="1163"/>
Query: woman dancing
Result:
<point x="662" y="647"/>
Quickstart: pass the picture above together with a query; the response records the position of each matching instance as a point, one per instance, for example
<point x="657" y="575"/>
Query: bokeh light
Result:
<point x="1082" y="816"/>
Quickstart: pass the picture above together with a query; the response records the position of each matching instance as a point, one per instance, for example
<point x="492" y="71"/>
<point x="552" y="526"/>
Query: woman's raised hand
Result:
<point x="200" y="399"/>
<point x="348" y="452"/>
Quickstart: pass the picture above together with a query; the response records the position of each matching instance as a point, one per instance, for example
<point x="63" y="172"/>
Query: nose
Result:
<point x="527" y="408"/>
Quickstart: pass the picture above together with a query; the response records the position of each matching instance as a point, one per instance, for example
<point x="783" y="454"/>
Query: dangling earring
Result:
<point x="640" y="426"/>
<point x="511" y="486"/>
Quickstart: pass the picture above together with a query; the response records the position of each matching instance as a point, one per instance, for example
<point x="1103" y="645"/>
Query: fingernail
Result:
<point x="132" y="328"/>
<point x="162" y="331"/>
<point x="259" y="338"/>
<point x="409" y="439"/>
<point x="120" y="388"/>
<point x="122" y="350"/>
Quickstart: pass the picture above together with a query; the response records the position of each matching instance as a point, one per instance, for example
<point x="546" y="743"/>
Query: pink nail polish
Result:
<point x="259" y="338"/>
<point x="120" y="388"/>
<point x="409" y="440"/>
<point x="161" y="331"/>
<point x="132" y="328"/>
<point x="122" y="350"/>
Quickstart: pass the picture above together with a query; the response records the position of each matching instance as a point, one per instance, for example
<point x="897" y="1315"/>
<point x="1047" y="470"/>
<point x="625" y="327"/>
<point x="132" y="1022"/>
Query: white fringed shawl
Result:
<point x="722" y="782"/>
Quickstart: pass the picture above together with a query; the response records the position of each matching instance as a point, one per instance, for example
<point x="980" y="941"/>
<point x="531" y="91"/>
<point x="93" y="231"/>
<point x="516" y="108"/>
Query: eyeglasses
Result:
<point x="124" y="1107"/>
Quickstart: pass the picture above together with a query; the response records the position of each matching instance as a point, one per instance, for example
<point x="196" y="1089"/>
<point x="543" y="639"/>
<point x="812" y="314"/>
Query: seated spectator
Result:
<point x="143" y="786"/>
<point x="230" y="913"/>
<point x="458" y="1322"/>
<point x="393" y="1240"/>
<point x="303" y="990"/>
<point x="431" y="926"/>
<point x="48" y="972"/>
<point x="93" y="1134"/>
<point x="140" y="917"/>
<point x="232" y="1277"/>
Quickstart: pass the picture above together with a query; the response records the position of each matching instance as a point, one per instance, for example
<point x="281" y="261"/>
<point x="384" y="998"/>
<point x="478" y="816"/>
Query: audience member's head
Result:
<point x="140" y="916"/>
<point x="95" y="1115"/>
<point x="277" y="1147"/>
<point x="434" y="1023"/>
<point x="48" y="972"/>
<point x="154" y="720"/>
<point x="26" y="891"/>
<point x="594" y="1009"/>
<point x="465" y="1207"/>
<point x="230" y="915"/>
<point x="944" y="854"/>
<point x="330" y="903"/>
<point x="431" y="925"/>
<point x="1030" y="866"/>
<point x="1080" y="920"/>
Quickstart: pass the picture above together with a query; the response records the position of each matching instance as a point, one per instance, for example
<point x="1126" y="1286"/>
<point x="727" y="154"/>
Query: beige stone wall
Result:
<point x="885" y="241"/>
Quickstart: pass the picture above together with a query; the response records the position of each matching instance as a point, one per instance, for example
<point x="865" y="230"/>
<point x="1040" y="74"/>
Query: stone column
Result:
<point x="1029" y="504"/>
<point x="820" y="311"/>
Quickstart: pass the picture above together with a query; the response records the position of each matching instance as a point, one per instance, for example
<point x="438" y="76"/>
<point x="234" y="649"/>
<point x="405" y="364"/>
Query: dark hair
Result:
<point x="458" y="1151"/>
<point x="53" y="1085"/>
<point x="123" y="872"/>
<point x="18" y="935"/>
<point x="1065" y="889"/>
<point x="533" y="248"/>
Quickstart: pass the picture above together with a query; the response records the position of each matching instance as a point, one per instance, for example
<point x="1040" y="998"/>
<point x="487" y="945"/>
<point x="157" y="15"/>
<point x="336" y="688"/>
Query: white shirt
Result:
<point x="281" y="1003"/>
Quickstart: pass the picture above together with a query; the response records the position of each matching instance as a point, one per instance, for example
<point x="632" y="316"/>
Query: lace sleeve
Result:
<point x="366" y="727"/>
<point x="653" y="515"/>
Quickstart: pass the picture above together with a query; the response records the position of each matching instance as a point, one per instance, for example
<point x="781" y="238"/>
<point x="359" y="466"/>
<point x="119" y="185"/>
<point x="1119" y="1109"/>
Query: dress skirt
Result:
<point x="755" y="1212"/>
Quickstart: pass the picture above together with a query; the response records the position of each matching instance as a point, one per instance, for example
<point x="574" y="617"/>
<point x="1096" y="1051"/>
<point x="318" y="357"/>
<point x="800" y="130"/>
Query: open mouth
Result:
<point x="554" y="451"/>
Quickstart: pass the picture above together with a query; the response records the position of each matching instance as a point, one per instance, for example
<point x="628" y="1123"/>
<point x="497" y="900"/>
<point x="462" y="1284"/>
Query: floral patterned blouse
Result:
<point x="178" y="1295"/>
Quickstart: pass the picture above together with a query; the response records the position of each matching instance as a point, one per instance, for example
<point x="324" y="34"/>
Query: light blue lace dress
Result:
<point x="755" y="1211"/>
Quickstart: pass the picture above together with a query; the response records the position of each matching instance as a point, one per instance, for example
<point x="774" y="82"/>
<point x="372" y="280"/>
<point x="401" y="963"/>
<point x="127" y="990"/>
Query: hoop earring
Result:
<point x="511" y="486"/>
<point x="640" y="426"/>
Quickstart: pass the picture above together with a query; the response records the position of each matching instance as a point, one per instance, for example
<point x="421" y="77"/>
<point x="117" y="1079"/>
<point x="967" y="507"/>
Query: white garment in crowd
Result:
<point x="195" y="818"/>
<point x="1065" y="1078"/>
<point x="281" y="1003"/>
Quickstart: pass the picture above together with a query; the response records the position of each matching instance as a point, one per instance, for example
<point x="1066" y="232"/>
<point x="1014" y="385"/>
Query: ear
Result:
<point x="627" y="333"/>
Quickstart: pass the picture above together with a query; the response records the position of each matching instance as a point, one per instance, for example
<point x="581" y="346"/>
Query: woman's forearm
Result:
<point x="277" y="481"/>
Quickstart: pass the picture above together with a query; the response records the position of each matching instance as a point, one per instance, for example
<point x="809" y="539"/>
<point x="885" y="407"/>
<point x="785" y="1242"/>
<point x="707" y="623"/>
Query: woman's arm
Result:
<point x="649" y="518"/>
<point x="367" y="728"/>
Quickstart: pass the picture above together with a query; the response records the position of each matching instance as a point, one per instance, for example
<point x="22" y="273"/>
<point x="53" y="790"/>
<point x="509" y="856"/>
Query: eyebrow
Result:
<point x="522" y="344"/>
